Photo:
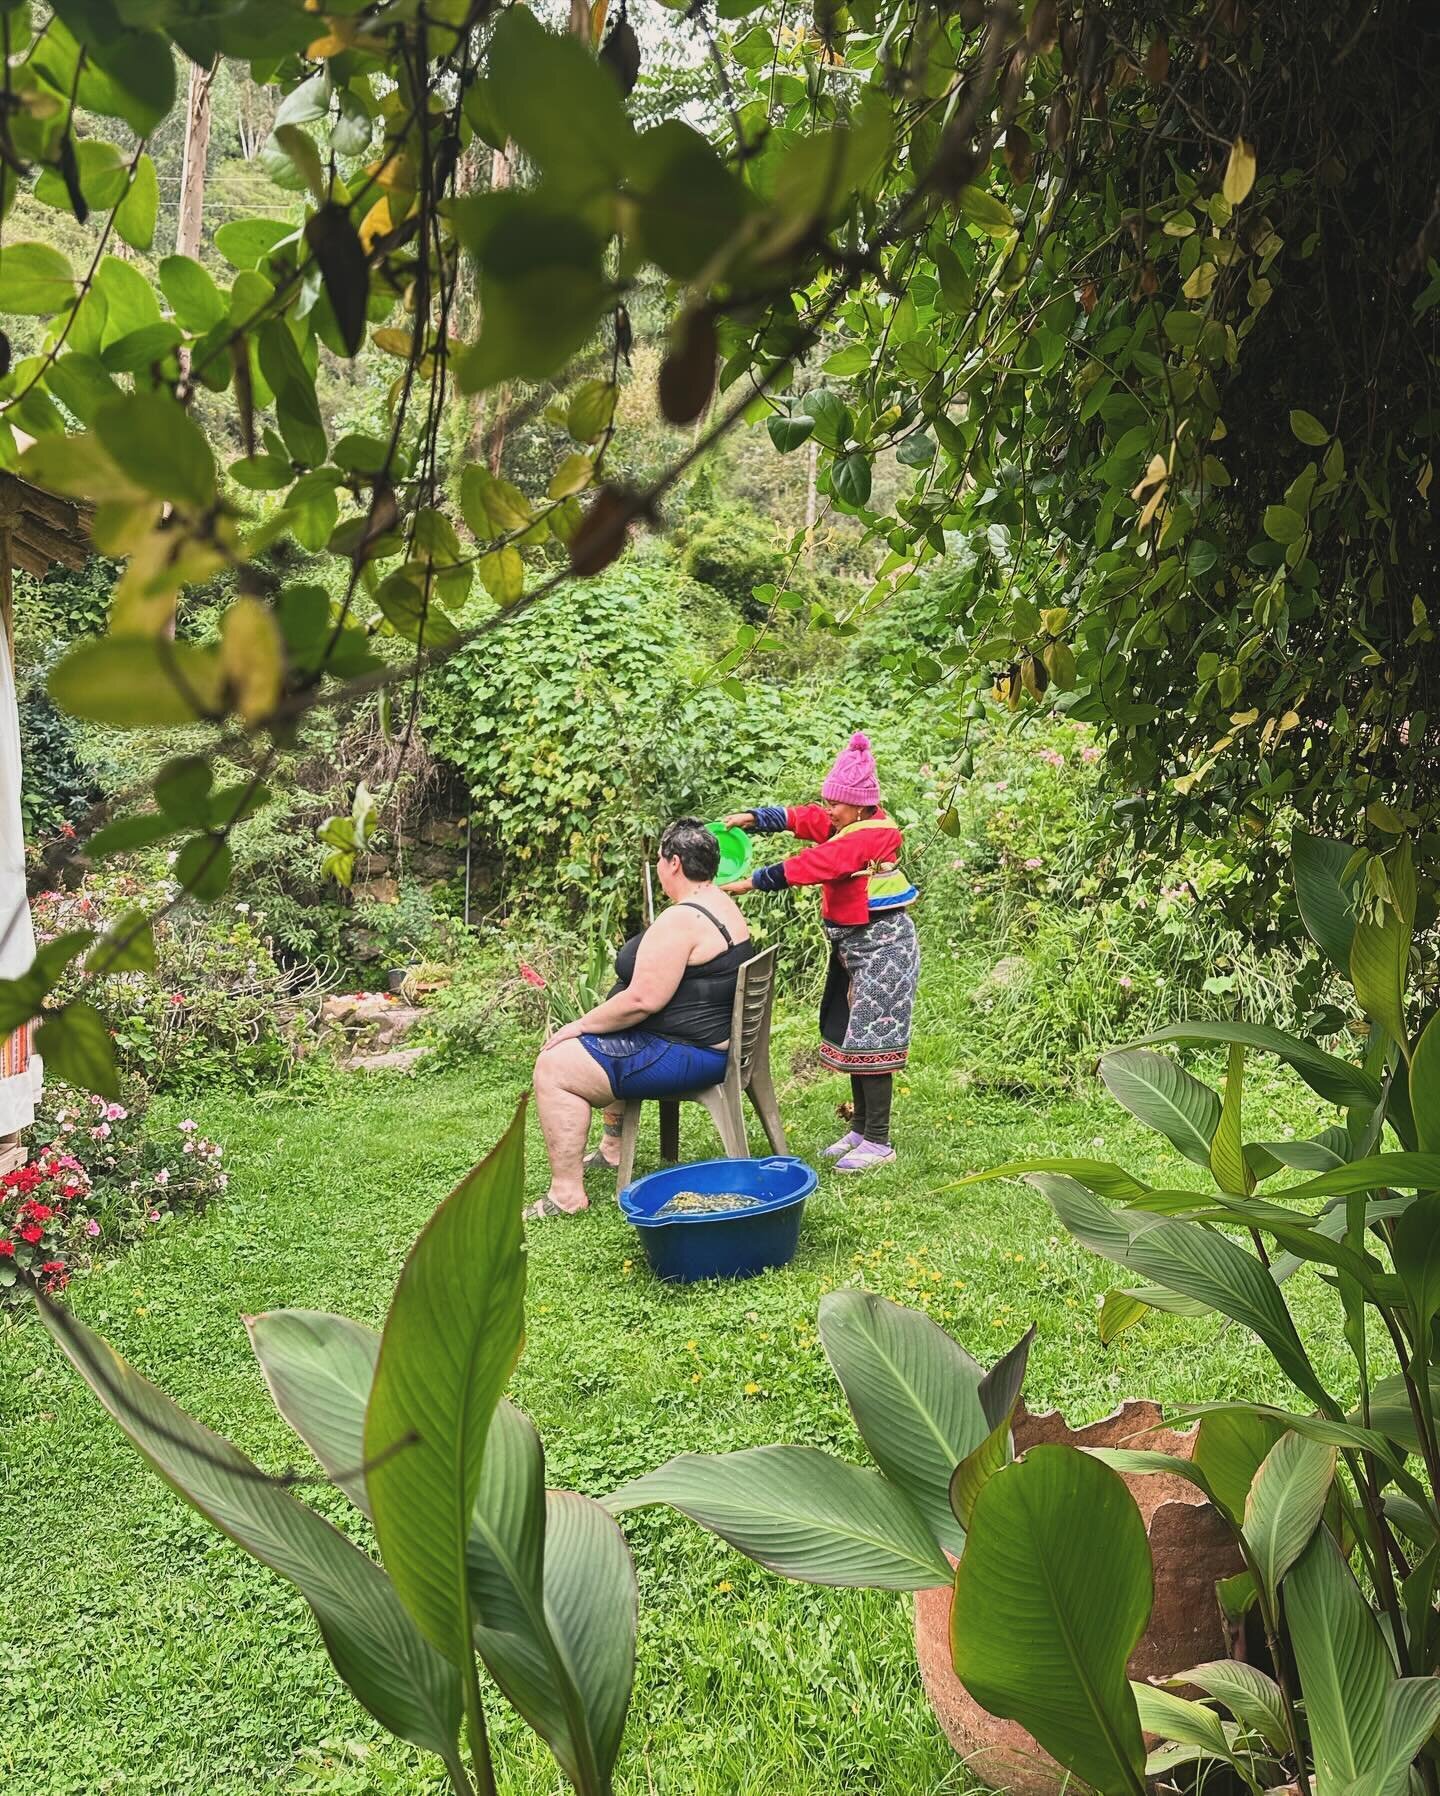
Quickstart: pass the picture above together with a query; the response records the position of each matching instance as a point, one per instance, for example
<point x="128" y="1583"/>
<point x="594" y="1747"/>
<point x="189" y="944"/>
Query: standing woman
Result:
<point x="869" y="998"/>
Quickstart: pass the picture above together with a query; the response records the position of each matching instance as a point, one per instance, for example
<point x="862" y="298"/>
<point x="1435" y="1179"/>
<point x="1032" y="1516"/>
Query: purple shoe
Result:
<point x="865" y="1155"/>
<point x="843" y="1145"/>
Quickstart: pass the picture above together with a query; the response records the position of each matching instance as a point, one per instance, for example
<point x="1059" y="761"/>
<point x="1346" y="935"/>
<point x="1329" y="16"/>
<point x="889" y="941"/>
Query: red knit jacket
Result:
<point x="839" y="866"/>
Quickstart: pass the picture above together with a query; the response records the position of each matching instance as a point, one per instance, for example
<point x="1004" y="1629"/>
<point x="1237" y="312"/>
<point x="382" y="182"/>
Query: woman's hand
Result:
<point x="570" y="1032"/>
<point x="740" y="820"/>
<point x="737" y="886"/>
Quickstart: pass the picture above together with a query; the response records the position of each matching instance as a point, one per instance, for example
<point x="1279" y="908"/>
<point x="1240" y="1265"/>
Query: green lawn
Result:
<point x="142" y="1653"/>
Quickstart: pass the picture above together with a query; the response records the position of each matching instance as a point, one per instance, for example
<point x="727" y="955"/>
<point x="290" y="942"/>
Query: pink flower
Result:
<point x="222" y="1179"/>
<point x="189" y="1126"/>
<point x="116" y="1113"/>
<point x="1034" y="864"/>
<point x="154" y="1215"/>
<point x="163" y="1176"/>
<point x="1126" y="982"/>
<point x="92" y="1227"/>
<point x="189" y="1148"/>
<point x="1052" y="757"/>
<point x="1089" y="754"/>
<point x="100" y="1132"/>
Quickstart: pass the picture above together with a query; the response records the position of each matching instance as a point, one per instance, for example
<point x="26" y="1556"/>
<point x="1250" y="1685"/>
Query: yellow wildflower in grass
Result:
<point x="689" y="1346"/>
<point x="694" y="1378"/>
<point x="724" y="1587"/>
<point x="752" y="1389"/>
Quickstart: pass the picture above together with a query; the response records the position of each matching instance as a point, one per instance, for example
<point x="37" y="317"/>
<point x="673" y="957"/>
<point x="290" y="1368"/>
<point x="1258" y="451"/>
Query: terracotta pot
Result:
<point x="1192" y="1550"/>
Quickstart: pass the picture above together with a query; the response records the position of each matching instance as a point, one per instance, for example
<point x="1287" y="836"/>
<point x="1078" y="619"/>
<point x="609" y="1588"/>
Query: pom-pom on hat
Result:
<point x="853" y="780"/>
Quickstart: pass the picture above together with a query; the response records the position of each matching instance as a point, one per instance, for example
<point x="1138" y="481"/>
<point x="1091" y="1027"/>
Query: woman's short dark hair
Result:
<point x="691" y="843"/>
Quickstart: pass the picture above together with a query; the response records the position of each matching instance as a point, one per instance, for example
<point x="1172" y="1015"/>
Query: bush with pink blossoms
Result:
<point x="102" y="1181"/>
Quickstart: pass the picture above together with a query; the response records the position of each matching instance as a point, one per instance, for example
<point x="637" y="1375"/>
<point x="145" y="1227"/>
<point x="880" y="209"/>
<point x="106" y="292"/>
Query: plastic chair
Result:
<point x="747" y="1071"/>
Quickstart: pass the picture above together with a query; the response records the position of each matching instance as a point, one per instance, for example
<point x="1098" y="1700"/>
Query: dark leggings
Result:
<point x="870" y="1099"/>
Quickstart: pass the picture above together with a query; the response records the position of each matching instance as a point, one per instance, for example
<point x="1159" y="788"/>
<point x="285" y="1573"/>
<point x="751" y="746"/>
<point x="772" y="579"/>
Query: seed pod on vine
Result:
<point x="620" y="53"/>
<point x="687" y="375"/>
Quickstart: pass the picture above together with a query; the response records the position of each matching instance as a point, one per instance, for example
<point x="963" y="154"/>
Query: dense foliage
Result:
<point x="1136" y="301"/>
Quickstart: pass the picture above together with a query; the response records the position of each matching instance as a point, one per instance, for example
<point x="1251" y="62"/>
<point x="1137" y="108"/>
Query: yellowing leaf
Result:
<point x="1239" y="171"/>
<point x="1157" y="470"/>
<point x="572" y="476"/>
<point x="502" y="574"/>
<point x="1200" y="280"/>
<point x="376" y="223"/>
<point x="252" y="658"/>
<point x="393" y="341"/>
<point x="1422" y="485"/>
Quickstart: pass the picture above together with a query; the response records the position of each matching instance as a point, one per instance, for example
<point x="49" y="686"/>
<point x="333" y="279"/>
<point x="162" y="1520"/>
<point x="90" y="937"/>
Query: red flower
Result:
<point x="7" y="1248"/>
<point x="31" y="1234"/>
<point x="68" y="831"/>
<point x="531" y="977"/>
<point x="53" y="1266"/>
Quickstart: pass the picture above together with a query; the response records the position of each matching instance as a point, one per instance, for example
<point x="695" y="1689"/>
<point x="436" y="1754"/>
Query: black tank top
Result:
<point x="700" y="1007"/>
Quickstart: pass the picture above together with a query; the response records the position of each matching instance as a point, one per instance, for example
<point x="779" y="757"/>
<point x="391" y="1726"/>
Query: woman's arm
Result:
<point x="764" y="820"/>
<point x="659" y="967"/>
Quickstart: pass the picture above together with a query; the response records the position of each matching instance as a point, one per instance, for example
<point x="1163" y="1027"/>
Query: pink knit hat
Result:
<point x="853" y="780"/>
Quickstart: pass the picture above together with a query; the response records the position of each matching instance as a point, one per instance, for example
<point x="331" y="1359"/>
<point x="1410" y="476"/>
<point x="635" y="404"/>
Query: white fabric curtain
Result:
<point x="20" y="1093"/>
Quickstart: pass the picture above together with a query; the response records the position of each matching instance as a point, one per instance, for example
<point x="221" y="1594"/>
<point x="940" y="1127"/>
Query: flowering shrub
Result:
<point x="97" y="1183"/>
<point x="40" y="1204"/>
<point x="209" y="1014"/>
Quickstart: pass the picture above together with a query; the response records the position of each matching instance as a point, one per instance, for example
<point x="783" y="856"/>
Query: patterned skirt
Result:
<point x="869" y="998"/>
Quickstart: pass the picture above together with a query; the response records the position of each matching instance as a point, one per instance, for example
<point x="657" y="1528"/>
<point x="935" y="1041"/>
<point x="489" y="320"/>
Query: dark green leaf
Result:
<point x="1051" y="1597"/>
<point x="203" y="867"/>
<point x="335" y="244"/>
<point x="914" y="1393"/>
<point x="451" y="1341"/>
<point x="76" y="1045"/>
<point x="801" y="1513"/>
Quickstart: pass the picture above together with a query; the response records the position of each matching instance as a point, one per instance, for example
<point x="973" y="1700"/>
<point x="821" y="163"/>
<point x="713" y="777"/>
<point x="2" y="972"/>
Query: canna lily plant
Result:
<point x="1332" y="1499"/>
<point x="476" y="1557"/>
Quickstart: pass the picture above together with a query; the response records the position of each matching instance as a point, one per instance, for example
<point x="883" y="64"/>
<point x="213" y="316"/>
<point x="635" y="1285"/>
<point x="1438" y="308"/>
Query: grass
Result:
<point x="143" y="1653"/>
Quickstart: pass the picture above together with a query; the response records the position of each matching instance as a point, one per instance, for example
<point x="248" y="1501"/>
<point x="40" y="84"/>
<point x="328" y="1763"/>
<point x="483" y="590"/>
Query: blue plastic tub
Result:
<point x="722" y="1244"/>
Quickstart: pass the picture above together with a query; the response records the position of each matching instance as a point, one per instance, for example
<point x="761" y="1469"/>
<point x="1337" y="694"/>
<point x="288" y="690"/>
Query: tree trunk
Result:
<point x="190" y="224"/>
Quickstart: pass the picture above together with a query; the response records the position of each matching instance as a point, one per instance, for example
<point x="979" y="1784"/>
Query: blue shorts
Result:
<point x="650" y="1066"/>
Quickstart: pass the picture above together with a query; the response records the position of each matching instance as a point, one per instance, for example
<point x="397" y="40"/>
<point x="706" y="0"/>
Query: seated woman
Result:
<point x="664" y="1029"/>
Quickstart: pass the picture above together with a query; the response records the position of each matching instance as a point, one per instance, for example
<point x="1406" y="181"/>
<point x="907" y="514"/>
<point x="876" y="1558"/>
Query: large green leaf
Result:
<point x="374" y="1644"/>
<point x="451" y="1340"/>
<point x="1051" y="1597"/>
<point x="1230" y="1445"/>
<point x="591" y="1606"/>
<point x="1227" y="1153"/>
<point x="1412" y="1172"/>
<point x="556" y="1628"/>
<point x="320" y="1369"/>
<point x="999" y="1398"/>
<point x="1334" y="1079"/>
<point x="1326" y="907"/>
<point x="1178" y="1718"/>
<point x="1198" y="1262"/>
<point x="1100" y="1176"/>
<point x="1329" y="1149"/>
<point x="914" y="1393"/>
<point x="1166" y="1098"/>
<point x="1251" y="1697"/>
<point x="801" y="1513"/>
<point x="1415" y="1245"/>
<point x="1344" y="1664"/>
<point x="1381" y="948"/>
<point x="1286" y="1503"/>
<point x="1408" y="1720"/>
<point x="1425" y="1087"/>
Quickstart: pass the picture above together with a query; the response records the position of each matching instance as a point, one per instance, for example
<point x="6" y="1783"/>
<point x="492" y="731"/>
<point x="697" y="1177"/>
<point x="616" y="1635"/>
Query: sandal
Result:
<point x="596" y="1161"/>
<point x="546" y="1207"/>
